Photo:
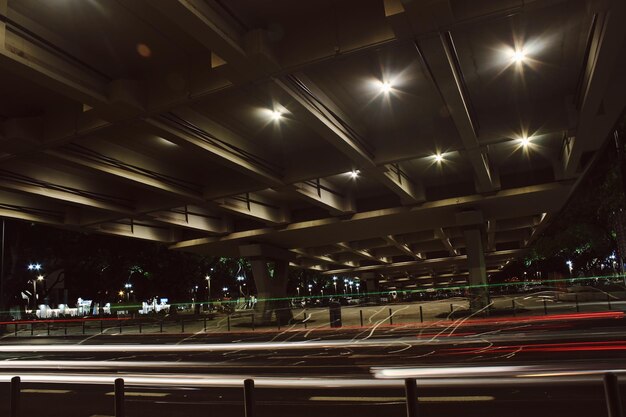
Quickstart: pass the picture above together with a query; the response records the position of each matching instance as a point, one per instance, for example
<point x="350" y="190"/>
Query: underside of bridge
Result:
<point x="415" y="143"/>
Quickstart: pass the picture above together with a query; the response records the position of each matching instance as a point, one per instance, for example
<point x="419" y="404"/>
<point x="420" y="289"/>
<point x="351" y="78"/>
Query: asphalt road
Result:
<point x="506" y="367"/>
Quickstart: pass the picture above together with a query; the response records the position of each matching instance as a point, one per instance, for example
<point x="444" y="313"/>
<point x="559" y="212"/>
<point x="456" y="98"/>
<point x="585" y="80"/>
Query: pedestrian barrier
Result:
<point x="611" y="391"/>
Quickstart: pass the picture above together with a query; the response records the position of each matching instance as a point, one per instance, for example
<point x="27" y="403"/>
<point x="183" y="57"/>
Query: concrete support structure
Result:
<point x="472" y="224"/>
<point x="270" y="269"/>
<point x="371" y="286"/>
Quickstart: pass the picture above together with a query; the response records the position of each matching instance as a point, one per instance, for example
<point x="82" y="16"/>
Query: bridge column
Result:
<point x="371" y="286"/>
<point x="472" y="224"/>
<point x="270" y="269"/>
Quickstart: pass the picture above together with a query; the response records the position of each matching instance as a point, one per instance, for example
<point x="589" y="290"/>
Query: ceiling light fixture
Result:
<point x="438" y="157"/>
<point x="518" y="56"/>
<point x="525" y="141"/>
<point x="355" y="173"/>
<point x="276" y="115"/>
<point x="385" y="87"/>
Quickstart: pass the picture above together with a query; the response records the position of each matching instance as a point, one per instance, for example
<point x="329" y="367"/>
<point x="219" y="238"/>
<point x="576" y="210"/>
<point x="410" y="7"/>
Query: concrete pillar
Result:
<point x="479" y="292"/>
<point x="472" y="224"/>
<point x="371" y="280"/>
<point x="270" y="269"/>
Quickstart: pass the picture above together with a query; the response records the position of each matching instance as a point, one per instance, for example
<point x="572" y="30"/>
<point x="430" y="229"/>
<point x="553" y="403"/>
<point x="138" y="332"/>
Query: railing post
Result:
<point x="545" y="307"/>
<point x="421" y="315"/>
<point x="252" y="321"/>
<point x="248" y="397"/>
<point x="608" y="301"/>
<point x="15" y="396"/>
<point x="139" y="327"/>
<point x="161" y="326"/>
<point x="361" y="317"/>
<point x="48" y="328"/>
<point x="65" y="328"/>
<point x="205" y="324"/>
<point x="612" y="395"/>
<point x="390" y="317"/>
<point x="83" y="326"/>
<point x="101" y="327"/>
<point x="410" y="388"/>
<point x="119" y="397"/>
<point x="513" y="307"/>
<point x="120" y="323"/>
<point x="228" y="322"/>
<point x="577" y="305"/>
<point x="182" y="326"/>
<point x="451" y="311"/>
<point x="31" y="328"/>
<point x="15" y="328"/>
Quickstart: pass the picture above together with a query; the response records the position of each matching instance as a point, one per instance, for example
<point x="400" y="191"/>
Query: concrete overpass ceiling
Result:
<point x="141" y="43"/>
<point x="410" y="121"/>
<point x="553" y="42"/>
<point x="214" y="124"/>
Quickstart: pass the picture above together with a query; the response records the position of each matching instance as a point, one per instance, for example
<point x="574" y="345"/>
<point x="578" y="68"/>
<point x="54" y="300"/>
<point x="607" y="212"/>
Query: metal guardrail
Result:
<point x="611" y="391"/>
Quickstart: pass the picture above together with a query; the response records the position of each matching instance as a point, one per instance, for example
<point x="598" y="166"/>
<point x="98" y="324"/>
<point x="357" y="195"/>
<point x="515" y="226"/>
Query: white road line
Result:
<point x="466" y="398"/>
<point x="45" y="391"/>
<point x="141" y="394"/>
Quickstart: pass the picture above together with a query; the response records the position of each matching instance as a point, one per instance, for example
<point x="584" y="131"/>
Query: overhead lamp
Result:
<point x="518" y="56"/>
<point x="438" y="158"/>
<point x="40" y="278"/>
<point x="355" y="173"/>
<point x="276" y="115"/>
<point x="385" y="87"/>
<point x="525" y="141"/>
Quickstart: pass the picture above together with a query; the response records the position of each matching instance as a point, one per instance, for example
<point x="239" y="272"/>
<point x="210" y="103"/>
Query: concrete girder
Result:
<point x="603" y="91"/>
<point x="403" y="248"/>
<point x="202" y="22"/>
<point x="445" y="240"/>
<point x="193" y="218"/>
<point x="255" y="207"/>
<point x="362" y="253"/>
<point x="321" y="193"/>
<point x="515" y="202"/>
<point x="426" y="263"/>
<point x="23" y="57"/>
<point x="59" y="192"/>
<point x="129" y="173"/>
<point x="25" y="207"/>
<point x="138" y="230"/>
<point x="316" y="110"/>
<point x="301" y="253"/>
<point x="439" y="59"/>
<point x="220" y="145"/>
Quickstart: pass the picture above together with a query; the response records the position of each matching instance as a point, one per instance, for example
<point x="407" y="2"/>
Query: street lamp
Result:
<point x="358" y="285"/>
<point x="570" y="265"/>
<point x="34" y="267"/>
<point x="345" y="283"/>
<point x="128" y="287"/>
<point x="335" y="283"/>
<point x="240" y="280"/>
<point x="310" y="288"/>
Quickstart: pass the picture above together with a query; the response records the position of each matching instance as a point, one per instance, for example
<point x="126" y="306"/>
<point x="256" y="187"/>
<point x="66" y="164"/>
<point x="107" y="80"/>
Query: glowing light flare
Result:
<point x="385" y="87"/>
<point x="438" y="158"/>
<point x="518" y="56"/>
<point x="276" y="115"/>
<point x="355" y="173"/>
<point x="525" y="141"/>
<point x="40" y="278"/>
